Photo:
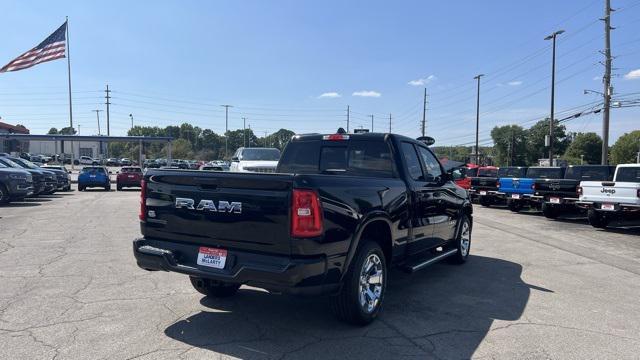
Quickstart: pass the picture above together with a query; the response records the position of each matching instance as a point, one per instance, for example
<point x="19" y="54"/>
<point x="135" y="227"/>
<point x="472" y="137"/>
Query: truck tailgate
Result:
<point x="607" y="191"/>
<point x="227" y="210"/>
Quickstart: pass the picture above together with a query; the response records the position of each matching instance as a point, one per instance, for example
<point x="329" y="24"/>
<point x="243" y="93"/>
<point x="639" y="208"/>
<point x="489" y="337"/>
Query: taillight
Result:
<point x="498" y="184"/>
<point x="143" y="201"/>
<point x="579" y="190"/>
<point x="335" y="137"/>
<point x="306" y="214"/>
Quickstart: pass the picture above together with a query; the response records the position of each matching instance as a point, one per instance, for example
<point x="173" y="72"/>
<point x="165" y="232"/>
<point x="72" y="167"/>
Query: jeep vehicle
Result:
<point x="52" y="183"/>
<point x="612" y="200"/>
<point x="484" y="185"/>
<point x="15" y="184"/>
<point x="339" y="211"/>
<point x="64" y="178"/>
<point x="94" y="176"/>
<point x="262" y="160"/>
<point x="42" y="182"/>
<point x="557" y="196"/>
<point x="519" y="192"/>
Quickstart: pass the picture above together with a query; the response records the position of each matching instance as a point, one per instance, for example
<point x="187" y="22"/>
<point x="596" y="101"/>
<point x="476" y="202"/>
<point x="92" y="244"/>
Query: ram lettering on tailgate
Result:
<point x="234" y="207"/>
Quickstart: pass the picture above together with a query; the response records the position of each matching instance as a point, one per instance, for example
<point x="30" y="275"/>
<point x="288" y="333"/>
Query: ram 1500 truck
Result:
<point x="484" y="185"/>
<point x="509" y="185"/>
<point x="521" y="191"/>
<point x="339" y="211"/>
<point x="558" y="196"/>
<point x="612" y="200"/>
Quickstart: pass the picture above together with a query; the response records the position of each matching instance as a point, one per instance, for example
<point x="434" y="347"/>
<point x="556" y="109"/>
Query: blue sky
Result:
<point x="169" y="62"/>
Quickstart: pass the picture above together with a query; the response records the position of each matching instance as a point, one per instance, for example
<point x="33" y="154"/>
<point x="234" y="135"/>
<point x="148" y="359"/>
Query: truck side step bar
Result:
<point x="413" y="267"/>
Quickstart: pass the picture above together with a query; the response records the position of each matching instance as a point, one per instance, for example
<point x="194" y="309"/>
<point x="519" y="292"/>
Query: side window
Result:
<point x="431" y="165"/>
<point x="413" y="163"/>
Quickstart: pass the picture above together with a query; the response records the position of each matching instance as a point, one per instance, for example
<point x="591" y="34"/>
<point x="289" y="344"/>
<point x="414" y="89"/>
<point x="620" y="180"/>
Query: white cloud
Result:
<point x="597" y="78"/>
<point x="331" y="95"/>
<point x="422" y="81"/>
<point x="633" y="75"/>
<point x="515" y="83"/>
<point x="367" y="93"/>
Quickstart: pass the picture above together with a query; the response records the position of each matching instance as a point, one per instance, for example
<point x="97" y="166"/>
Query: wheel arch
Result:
<point x="376" y="227"/>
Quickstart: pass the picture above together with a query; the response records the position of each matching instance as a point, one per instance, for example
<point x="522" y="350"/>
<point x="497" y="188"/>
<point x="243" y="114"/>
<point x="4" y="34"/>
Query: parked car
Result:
<point x="341" y="210"/>
<point x="112" y="162"/>
<point x="65" y="177"/>
<point x="465" y="174"/>
<point x="94" y="176"/>
<point x="519" y="191"/>
<point x="211" y="167"/>
<point x="125" y="162"/>
<point x="49" y="178"/>
<point x="619" y="199"/>
<point x="86" y="160"/>
<point x="36" y="176"/>
<point x="15" y="184"/>
<point x="129" y="176"/>
<point x="558" y="196"/>
<point x="262" y="160"/>
<point x="484" y="185"/>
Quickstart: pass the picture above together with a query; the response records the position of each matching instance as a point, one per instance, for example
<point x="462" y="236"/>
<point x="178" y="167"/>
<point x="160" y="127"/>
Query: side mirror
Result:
<point x="235" y="159"/>
<point x="455" y="174"/>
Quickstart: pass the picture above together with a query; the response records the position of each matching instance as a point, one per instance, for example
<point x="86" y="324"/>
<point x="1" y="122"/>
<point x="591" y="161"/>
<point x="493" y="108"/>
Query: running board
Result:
<point x="419" y="266"/>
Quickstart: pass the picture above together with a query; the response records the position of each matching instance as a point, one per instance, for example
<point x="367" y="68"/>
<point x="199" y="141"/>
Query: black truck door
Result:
<point x="423" y="203"/>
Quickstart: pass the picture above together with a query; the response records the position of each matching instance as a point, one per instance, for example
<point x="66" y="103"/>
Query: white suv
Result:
<point x="263" y="160"/>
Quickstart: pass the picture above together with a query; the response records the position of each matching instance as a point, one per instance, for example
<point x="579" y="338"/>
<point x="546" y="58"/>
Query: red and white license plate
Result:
<point x="130" y="176"/>
<point x="212" y="257"/>
<point x="554" y="200"/>
<point x="515" y="196"/>
<point x="483" y="193"/>
<point x="608" y="207"/>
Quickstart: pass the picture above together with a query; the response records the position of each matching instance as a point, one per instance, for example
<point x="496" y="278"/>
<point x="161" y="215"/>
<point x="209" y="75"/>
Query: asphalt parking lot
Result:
<point x="533" y="288"/>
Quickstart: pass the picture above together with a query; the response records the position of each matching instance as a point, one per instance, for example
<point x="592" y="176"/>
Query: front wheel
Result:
<point x="212" y="288"/>
<point x="462" y="242"/>
<point x="4" y="194"/>
<point x="360" y="298"/>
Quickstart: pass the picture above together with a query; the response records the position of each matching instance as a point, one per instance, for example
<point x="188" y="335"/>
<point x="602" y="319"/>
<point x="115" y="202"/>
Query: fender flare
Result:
<point x="357" y="236"/>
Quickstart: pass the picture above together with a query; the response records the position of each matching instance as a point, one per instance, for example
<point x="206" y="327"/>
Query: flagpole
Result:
<point x="69" y="78"/>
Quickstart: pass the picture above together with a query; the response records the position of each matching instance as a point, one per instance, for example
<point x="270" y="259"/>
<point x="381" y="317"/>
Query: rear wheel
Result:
<point x="118" y="187"/>
<point x="360" y="298"/>
<point x="596" y="220"/>
<point x="484" y="201"/>
<point x="80" y="188"/>
<point x="4" y="194"/>
<point x="213" y="288"/>
<point x="514" y="205"/>
<point x="549" y="211"/>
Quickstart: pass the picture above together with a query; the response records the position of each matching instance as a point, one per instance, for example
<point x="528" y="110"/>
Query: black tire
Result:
<point x="118" y="187"/>
<point x="107" y="188"/>
<point x="347" y="305"/>
<point x="596" y="220"/>
<point x="212" y="288"/>
<point x="80" y="188"/>
<point x="462" y="241"/>
<point x="514" y="206"/>
<point x="549" y="211"/>
<point x="484" y="201"/>
<point x="4" y="194"/>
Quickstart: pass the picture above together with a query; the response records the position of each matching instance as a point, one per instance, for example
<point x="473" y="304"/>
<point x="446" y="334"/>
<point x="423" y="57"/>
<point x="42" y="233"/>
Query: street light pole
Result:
<point x="477" y="77"/>
<point x="226" y="129"/>
<point x="244" y="131"/>
<point x="131" y="117"/>
<point x="98" y="118"/>
<point x="553" y="89"/>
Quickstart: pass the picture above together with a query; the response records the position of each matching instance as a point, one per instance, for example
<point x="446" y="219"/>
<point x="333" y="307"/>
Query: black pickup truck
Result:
<point x="484" y="185"/>
<point x="558" y="196"/>
<point x="339" y="211"/>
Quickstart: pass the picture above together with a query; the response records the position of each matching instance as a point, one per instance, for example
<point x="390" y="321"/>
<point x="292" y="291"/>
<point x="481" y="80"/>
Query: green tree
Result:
<point x="626" y="148"/>
<point x="182" y="149"/>
<point x="510" y="145"/>
<point x="535" y="140"/>
<point x="67" y="131"/>
<point x="588" y="145"/>
<point x="280" y="138"/>
<point x="53" y="131"/>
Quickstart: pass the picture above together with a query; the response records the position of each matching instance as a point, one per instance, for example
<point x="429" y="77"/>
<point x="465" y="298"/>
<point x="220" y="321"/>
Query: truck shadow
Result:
<point x="444" y="311"/>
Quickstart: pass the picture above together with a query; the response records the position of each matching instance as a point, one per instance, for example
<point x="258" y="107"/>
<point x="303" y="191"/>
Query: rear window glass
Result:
<point x="93" y="170"/>
<point x="471" y="172"/>
<point x="131" y="170"/>
<point x="511" y="172"/>
<point x="488" y="172"/>
<point x="356" y="158"/>
<point x="595" y="173"/>
<point x="628" y="174"/>
<point x="260" y="154"/>
<point x="544" y="173"/>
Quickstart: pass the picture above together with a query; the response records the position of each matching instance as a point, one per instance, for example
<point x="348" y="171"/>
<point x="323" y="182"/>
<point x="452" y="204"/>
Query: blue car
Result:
<point x="519" y="188"/>
<point x="94" y="176"/>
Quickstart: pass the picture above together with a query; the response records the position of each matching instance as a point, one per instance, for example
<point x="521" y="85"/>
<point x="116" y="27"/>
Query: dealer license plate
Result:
<point x="609" y="207"/>
<point x="483" y="193"/>
<point x="92" y="176"/>
<point x="212" y="257"/>
<point x="554" y="200"/>
<point x="130" y="176"/>
<point x="515" y="196"/>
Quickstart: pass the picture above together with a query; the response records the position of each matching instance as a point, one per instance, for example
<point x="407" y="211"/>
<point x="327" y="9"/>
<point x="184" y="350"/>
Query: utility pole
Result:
<point x="371" y="122"/>
<point x="244" y="131"/>
<point x="108" y="97"/>
<point x="97" y="118"/>
<point x="226" y="129"/>
<point x="78" y="129"/>
<point x="553" y="91"/>
<point x="424" y="114"/>
<point x="607" y="82"/>
<point x="477" y="77"/>
<point x="348" y="114"/>
<point x="265" y="138"/>
<point x="131" y="117"/>
<point x="389" y="122"/>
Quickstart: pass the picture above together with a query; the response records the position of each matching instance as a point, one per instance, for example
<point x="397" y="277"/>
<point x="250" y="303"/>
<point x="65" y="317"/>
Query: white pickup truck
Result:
<point x="612" y="200"/>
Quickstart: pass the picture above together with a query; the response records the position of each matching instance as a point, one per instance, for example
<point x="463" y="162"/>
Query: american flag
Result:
<point x="51" y="48"/>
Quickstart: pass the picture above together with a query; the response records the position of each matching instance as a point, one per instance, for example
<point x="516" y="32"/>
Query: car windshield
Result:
<point x="11" y="163"/>
<point x="26" y="163"/>
<point x="2" y="165"/>
<point x="260" y="154"/>
<point x="511" y="172"/>
<point x="488" y="172"/>
<point x="93" y="170"/>
<point x="544" y="173"/>
<point x="131" y="170"/>
<point x="591" y="173"/>
<point x="628" y="174"/>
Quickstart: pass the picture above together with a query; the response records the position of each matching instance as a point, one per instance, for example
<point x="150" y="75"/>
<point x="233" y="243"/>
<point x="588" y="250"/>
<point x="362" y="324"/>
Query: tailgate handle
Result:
<point x="608" y="183"/>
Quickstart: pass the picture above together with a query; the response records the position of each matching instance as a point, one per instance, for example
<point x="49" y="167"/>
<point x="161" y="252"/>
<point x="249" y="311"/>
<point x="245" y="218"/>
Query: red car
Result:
<point x="470" y="171"/>
<point x="129" y="176"/>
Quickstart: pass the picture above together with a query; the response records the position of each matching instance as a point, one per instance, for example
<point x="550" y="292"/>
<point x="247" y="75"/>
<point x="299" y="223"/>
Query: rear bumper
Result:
<point x="618" y="207"/>
<point x="127" y="183"/>
<point x="304" y="276"/>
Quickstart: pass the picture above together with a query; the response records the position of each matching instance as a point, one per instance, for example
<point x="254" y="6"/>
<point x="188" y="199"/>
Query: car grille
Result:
<point x="261" y="169"/>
